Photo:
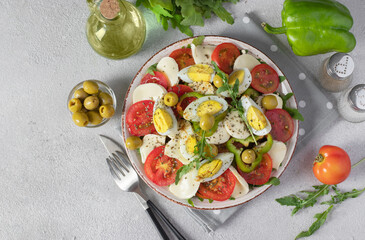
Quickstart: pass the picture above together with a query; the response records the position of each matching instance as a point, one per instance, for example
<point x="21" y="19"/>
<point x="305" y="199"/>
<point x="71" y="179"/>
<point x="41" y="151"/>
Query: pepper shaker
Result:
<point x="337" y="72"/>
<point x="351" y="104"/>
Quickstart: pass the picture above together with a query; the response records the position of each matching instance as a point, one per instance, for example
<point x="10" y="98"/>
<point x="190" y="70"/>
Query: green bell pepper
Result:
<point x="260" y="150"/>
<point x="315" y="26"/>
<point x="210" y="132"/>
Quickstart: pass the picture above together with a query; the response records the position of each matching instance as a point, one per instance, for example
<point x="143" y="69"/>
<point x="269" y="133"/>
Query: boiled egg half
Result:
<point x="164" y="119"/>
<point x="210" y="170"/>
<point x="196" y="73"/>
<point x="212" y="105"/>
<point x="244" y="78"/>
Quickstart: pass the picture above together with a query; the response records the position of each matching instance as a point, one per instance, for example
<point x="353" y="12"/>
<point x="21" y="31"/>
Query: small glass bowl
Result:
<point x="103" y="88"/>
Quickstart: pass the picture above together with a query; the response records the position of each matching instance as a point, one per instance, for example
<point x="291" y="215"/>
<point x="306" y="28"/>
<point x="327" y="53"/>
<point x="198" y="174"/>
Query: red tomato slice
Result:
<point x="180" y="107"/>
<point x="160" y="168"/>
<point x="282" y="124"/>
<point x="180" y="89"/>
<point x="265" y="79"/>
<point x="159" y="78"/>
<point x="224" y="55"/>
<point x="183" y="57"/>
<point x="261" y="174"/>
<point x="219" y="189"/>
<point x="139" y="118"/>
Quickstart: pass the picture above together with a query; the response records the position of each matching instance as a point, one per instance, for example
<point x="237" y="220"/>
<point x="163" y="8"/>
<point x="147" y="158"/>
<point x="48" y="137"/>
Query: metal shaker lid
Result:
<point x="357" y="97"/>
<point x="340" y="66"/>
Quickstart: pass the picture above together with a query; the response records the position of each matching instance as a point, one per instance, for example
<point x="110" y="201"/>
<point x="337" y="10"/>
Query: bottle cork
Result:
<point x="109" y="8"/>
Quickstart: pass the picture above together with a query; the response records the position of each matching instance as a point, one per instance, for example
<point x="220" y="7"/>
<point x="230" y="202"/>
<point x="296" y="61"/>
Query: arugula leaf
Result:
<point x="198" y="40"/>
<point x="167" y="4"/>
<point x="185" y="169"/>
<point x="201" y="199"/>
<point x="273" y="181"/>
<point x="294" y="113"/>
<point x="282" y="78"/>
<point x="222" y="89"/>
<point x="210" y="200"/>
<point x="340" y="197"/>
<point x="321" y="219"/>
<point x="261" y="61"/>
<point x="232" y="198"/>
<point x="151" y="69"/>
<point x="191" y="202"/>
<point x="308" y="201"/>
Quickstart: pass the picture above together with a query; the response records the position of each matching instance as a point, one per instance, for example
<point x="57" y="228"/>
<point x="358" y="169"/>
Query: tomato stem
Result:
<point x="362" y="160"/>
<point x="319" y="159"/>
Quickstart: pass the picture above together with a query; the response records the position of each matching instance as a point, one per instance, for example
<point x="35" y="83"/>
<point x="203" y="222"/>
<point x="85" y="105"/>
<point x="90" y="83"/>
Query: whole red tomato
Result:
<point x="332" y="165"/>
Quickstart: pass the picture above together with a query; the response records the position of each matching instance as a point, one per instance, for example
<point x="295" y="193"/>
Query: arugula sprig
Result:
<point x="200" y="154"/>
<point x="292" y="111"/>
<point x="233" y="92"/>
<point x="151" y="70"/>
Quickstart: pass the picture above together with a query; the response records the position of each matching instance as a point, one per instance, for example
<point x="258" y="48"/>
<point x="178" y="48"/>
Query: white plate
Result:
<point x="135" y="158"/>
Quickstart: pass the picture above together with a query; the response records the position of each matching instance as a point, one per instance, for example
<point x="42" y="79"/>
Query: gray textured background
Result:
<point x="53" y="177"/>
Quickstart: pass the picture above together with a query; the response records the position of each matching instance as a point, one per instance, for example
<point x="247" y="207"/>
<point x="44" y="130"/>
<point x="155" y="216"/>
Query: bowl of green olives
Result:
<point x="91" y="103"/>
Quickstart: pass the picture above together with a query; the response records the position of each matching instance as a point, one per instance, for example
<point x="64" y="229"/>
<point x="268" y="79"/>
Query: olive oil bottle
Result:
<point x="115" y="28"/>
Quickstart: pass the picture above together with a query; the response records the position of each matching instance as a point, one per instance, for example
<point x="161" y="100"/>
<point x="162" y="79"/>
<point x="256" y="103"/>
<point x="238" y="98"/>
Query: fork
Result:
<point x="127" y="180"/>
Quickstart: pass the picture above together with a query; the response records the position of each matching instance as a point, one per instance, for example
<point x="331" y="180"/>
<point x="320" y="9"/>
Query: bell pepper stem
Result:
<point x="272" y="30"/>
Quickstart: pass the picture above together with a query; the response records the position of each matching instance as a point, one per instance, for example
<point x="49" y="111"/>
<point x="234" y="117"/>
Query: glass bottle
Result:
<point x="337" y="72"/>
<point x="351" y="104"/>
<point x="115" y="28"/>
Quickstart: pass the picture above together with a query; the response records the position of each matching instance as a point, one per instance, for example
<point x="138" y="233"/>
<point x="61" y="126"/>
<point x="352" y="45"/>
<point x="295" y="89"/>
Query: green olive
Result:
<point x="269" y="102"/>
<point x="106" y="111"/>
<point x="171" y="99"/>
<point x="90" y="87"/>
<point x="94" y="117"/>
<point x="84" y="110"/>
<point x="80" y="94"/>
<point x="133" y="142"/>
<point x="80" y="119"/>
<point x="206" y="122"/>
<point x="91" y="102"/>
<point x="74" y="105"/>
<point x="217" y="81"/>
<point x="105" y="98"/>
<point x="211" y="150"/>
<point x="248" y="156"/>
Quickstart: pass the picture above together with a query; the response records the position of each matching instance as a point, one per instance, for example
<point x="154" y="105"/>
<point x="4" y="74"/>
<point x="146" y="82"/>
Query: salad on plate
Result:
<point x="209" y="122"/>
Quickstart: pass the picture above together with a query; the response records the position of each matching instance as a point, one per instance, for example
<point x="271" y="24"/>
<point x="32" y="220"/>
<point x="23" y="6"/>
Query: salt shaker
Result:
<point x="351" y="104"/>
<point x="337" y="72"/>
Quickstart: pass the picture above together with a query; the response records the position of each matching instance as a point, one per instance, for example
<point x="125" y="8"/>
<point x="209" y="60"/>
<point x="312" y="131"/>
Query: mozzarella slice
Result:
<point x="150" y="142"/>
<point x="245" y="61"/>
<point x="187" y="186"/>
<point x="148" y="91"/>
<point x="220" y="136"/>
<point x="235" y="126"/>
<point x="277" y="153"/>
<point x="169" y="66"/>
<point x="172" y="149"/>
<point x="202" y="53"/>
<point x="204" y="88"/>
<point x="241" y="188"/>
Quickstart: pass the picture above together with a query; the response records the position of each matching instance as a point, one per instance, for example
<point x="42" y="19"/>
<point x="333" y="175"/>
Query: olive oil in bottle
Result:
<point x="115" y="28"/>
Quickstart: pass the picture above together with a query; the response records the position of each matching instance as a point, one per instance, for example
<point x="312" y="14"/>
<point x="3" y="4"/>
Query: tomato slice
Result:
<point x="159" y="78"/>
<point x="265" y="79"/>
<point x="160" y="168"/>
<point x="180" y="89"/>
<point x="139" y="118"/>
<point x="183" y="57"/>
<point x="261" y="174"/>
<point x="219" y="189"/>
<point x="224" y="55"/>
<point x="180" y="107"/>
<point x="282" y="124"/>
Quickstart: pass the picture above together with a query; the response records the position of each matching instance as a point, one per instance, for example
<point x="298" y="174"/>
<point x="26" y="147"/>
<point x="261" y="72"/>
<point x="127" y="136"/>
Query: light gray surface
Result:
<point x="53" y="176"/>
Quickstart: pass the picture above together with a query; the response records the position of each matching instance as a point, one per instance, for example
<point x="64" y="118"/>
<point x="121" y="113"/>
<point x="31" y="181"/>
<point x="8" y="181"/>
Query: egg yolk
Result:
<point x="256" y="118"/>
<point x="210" y="168"/>
<point x="190" y="144"/>
<point x="240" y="74"/>
<point x="162" y="120"/>
<point x="209" y="107"/>
<point x="200" y="73"/>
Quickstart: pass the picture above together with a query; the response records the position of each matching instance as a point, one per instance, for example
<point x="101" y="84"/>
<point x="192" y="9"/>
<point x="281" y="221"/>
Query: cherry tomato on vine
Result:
<point x="332" y="165"/>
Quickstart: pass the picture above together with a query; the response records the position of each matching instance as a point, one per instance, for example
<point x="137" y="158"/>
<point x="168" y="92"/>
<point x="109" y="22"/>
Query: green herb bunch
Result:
<point x="185" y="13"/>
